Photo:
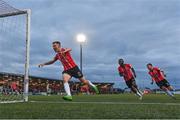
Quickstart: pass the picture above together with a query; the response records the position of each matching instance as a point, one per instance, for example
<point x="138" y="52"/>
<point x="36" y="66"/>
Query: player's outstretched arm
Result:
<point x="47" y="63"/>
<point x="133" y="72"/>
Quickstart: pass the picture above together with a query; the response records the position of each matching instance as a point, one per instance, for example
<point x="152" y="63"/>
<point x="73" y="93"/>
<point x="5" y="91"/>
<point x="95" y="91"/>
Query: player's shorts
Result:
<point x="131" y="83"/>
<point x="74" y="72"/>
<point x="163" y="83"/>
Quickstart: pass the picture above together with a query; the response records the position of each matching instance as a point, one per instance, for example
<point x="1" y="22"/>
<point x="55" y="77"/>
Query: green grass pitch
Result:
<point x="94" y="106"/>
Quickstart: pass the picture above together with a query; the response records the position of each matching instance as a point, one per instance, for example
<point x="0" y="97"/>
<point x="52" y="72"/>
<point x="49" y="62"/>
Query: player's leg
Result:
<point x="77" y="73"/>
<point x="166" y="90"/>
<point x="66" y="78"/>
<point x="136" y="92"/>
<point x="134" y="88"/>
<point x="129" y="84"/>
<point x="170" y="88"/>
<point x="83" y="80"/>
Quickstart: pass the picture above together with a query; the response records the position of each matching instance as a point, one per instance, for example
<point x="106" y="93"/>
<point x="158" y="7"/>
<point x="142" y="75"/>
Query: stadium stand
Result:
<point x="42" y="85"/>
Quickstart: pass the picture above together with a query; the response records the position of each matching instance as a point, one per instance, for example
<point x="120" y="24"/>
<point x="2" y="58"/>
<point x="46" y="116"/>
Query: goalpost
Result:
<point x="14" y="53"/>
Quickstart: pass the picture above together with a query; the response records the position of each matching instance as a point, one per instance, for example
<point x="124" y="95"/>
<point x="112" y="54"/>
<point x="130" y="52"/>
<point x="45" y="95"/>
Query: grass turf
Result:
<point x="104" y="106"/>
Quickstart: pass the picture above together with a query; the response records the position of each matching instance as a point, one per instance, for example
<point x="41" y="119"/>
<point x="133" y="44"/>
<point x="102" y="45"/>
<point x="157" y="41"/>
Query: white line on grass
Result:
<point x="113" y="103"/>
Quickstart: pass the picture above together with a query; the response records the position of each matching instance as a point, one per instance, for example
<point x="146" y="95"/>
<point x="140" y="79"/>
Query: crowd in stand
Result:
<point x="13" y="83"/>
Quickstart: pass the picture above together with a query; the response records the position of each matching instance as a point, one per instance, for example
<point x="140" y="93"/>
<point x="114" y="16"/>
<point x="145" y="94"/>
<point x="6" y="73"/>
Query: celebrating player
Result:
<point x="129" y="74"/>
<point x="70" y="68"/>
<point x="160" y="78"/>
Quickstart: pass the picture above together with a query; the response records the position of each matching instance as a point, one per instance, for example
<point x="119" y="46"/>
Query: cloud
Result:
<point x="138" y="31"/>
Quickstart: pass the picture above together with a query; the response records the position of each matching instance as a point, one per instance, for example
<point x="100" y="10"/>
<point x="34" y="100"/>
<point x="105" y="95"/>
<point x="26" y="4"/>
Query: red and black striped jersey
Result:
<point x="66" y="59"/>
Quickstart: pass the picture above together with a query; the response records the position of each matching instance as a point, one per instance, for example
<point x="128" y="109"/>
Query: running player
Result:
<point x="129" y="74"/>
<point x="70" y="68"/>
<point x="160" y="78"/>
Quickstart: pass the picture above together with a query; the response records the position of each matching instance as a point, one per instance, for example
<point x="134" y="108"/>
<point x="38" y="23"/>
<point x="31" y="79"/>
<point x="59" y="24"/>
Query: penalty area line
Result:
<point x="113" y="103"/>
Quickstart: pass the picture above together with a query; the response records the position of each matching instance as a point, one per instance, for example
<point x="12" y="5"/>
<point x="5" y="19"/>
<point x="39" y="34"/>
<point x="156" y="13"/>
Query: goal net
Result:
<point x="14" y="53"/>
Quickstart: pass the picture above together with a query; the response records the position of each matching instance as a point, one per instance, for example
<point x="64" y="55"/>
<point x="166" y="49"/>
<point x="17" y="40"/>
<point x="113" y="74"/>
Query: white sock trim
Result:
<point x="169" y="93"/>
<point x="67" y="88"/>
<point x="138" y="94"/>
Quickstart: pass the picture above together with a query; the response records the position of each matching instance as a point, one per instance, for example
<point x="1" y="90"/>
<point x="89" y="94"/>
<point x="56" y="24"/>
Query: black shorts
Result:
<point x="131" y="83"/>
<point x="74" y="72"/>
<point x="162" y="83"/>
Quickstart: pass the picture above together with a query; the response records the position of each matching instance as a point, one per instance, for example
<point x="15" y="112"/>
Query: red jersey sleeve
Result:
<point x="119" y="69"/>
<point x="129" y="65"/>
<point x="56" y="57"/>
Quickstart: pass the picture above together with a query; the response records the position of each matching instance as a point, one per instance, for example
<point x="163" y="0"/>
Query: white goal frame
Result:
<point x="26" y="72"/>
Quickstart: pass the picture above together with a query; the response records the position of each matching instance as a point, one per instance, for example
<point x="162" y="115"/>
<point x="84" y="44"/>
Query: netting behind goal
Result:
<point x="13" y="53"/>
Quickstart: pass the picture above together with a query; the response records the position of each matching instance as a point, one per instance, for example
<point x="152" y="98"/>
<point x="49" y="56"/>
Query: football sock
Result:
<point x="91" y="84"/>
<point x="169" y="93"/>
<point x="138" y="94"/>
<point x="172" y="91"/>
<point x="67" y="89"/>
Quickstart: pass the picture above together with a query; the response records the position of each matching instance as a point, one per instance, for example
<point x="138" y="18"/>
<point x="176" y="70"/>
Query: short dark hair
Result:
<point x="121" y="61"/>
<point x="56" y="42"/>
<point x="149" y="64"/>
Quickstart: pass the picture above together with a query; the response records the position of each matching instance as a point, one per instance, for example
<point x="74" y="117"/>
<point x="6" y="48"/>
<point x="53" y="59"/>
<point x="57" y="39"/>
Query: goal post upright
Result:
<point x="26" y="74"/>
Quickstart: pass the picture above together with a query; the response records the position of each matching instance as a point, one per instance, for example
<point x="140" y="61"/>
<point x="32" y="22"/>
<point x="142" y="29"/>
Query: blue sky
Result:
<point x="140" y="31"/>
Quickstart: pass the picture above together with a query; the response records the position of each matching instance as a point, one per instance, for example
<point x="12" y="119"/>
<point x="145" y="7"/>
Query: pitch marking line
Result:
<point x="113" y="103"/>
